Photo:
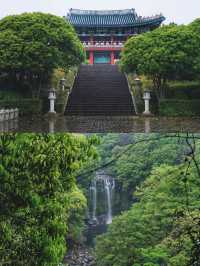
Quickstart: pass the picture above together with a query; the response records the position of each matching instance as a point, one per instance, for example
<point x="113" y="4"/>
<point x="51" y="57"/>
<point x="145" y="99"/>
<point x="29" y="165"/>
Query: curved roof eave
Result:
<point x="155" y="21"/>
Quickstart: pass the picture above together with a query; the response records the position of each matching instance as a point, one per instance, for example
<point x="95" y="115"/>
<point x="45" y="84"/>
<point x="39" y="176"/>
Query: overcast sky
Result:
<point x="178" y="11"/>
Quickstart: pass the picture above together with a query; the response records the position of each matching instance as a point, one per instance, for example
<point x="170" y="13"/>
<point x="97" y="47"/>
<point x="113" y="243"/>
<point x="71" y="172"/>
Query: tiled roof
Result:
<point x="111" y="18"/>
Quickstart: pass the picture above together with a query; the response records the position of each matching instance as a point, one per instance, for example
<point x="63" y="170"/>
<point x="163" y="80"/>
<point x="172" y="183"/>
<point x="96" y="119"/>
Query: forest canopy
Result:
<point x="162" y="225"/>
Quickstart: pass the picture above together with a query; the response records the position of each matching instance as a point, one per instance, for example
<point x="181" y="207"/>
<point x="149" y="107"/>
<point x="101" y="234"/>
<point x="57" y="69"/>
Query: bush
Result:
<point x="9" y="94"/>
<point x="170" y="107"/>
<point x="184" y="90"/>
<point x="26" y="106"/>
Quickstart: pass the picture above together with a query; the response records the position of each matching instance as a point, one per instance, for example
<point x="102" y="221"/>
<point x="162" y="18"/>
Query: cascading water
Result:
<point x="93" y="191"/>
<point x="109" y="187"/>
<point x="107" y="183"/>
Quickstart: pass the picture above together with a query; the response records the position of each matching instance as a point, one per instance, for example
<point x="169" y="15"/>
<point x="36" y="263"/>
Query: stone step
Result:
<point x="100" y="90"/>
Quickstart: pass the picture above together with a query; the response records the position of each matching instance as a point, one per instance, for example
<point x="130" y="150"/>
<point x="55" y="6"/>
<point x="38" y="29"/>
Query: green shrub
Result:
<point x="9" y="94"/>
<point x="26" y="106"/>
<point x="174" y="107"/>
<point x="184" y="90"/>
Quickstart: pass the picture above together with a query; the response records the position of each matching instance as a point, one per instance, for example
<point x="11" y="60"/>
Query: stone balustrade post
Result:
<point x="16" y="113"/>
<point x="1" y="115"/>
<point x="12" y="114"/>
<point x="6" y="115"/>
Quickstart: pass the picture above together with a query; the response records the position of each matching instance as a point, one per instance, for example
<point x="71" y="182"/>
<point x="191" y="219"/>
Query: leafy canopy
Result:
<point x="40" y="204"/>
<point x="153" y="231"/>
<point x="169" y="52"/>
<point x="33" y="44"/>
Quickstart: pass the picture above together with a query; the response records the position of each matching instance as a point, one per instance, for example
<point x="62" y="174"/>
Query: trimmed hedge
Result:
<point x="26" y="106"/>
<point x="170" y="107"/>
<point x="186" y="90"/>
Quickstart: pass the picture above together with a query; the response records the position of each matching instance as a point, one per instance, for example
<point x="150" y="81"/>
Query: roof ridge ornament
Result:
<point x="102" y="12"/>
<point x="111" y="18"/>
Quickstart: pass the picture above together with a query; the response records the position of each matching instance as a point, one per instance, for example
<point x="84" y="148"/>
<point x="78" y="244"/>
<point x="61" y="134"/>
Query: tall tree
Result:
<point x="33" y="44"/>
<point x="168" y="52"/>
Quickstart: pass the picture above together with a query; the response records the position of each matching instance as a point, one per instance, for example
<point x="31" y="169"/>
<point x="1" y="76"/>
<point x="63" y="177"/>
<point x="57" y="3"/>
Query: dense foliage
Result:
<point x="32" y="45"/>
<point x="137" y="155"/>
<point x="167" y="53"/>
<point x="175" y="107"/>
<point x="150" y="233"/>
<point x="40" y="204"/>
<point x="162" y="227"/>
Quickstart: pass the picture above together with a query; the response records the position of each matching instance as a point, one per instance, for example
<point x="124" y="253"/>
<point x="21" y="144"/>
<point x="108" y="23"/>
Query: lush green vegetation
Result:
<point x="32" y="45"/>
<point x="175" y="107"/>
<point x="62" y="96"/>
<point x="168" y="53"/>
<point x="40" y="204"/>
<point x="156" y="229"/>
<point x="26" y="106"/>
<point x="42" y="209"/>
<point x="137" y="155"/>
<point x="162" y="226"/>
<point x="185" y="90"/>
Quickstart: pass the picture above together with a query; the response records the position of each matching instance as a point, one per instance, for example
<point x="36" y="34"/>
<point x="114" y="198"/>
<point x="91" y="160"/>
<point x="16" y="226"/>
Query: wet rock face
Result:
<point x="79" y="257"/>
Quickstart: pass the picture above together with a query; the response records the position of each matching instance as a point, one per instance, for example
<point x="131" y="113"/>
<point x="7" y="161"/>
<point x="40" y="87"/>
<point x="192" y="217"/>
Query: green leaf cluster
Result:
<point x="40" y="204"/>
<point x="133" y="166"/>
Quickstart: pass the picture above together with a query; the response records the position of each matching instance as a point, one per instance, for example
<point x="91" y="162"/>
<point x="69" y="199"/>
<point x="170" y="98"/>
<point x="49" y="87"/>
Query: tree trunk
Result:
<point x="160" y="87"/>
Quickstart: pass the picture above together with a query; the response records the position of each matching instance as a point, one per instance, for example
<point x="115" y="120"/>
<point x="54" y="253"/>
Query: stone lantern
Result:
<point x="147" y="98"/>
<point x="62" y="83"/>
<point x="52" y="98"/>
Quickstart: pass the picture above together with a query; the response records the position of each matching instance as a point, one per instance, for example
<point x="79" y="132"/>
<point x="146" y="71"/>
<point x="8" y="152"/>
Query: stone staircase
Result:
<point x="100" y="90"/>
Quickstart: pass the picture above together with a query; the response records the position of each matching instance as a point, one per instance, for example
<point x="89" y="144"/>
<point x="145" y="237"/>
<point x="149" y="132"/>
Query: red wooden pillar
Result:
<point x="91" y="58"/>
<point x="112" y="58"/>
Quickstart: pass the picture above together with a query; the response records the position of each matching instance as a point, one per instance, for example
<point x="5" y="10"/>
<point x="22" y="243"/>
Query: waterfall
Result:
<point x="107" y="183"/>
<point x="109" y="186"/>
<point x="93" y="191"/>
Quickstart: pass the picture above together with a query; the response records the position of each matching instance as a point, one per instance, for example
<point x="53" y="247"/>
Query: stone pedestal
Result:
<point x="147" y="125"/>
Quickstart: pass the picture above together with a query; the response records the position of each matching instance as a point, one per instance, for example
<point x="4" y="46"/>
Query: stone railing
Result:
<point x="103" y="44"/>
<point x="8" y="114"/>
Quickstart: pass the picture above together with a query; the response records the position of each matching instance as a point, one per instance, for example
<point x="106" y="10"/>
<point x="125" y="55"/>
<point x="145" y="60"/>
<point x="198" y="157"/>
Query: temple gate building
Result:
<point x="103" y="33"/>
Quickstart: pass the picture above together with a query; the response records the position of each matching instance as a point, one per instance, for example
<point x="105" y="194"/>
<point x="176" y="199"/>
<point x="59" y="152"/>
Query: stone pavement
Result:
<point x="104" y="124"/>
